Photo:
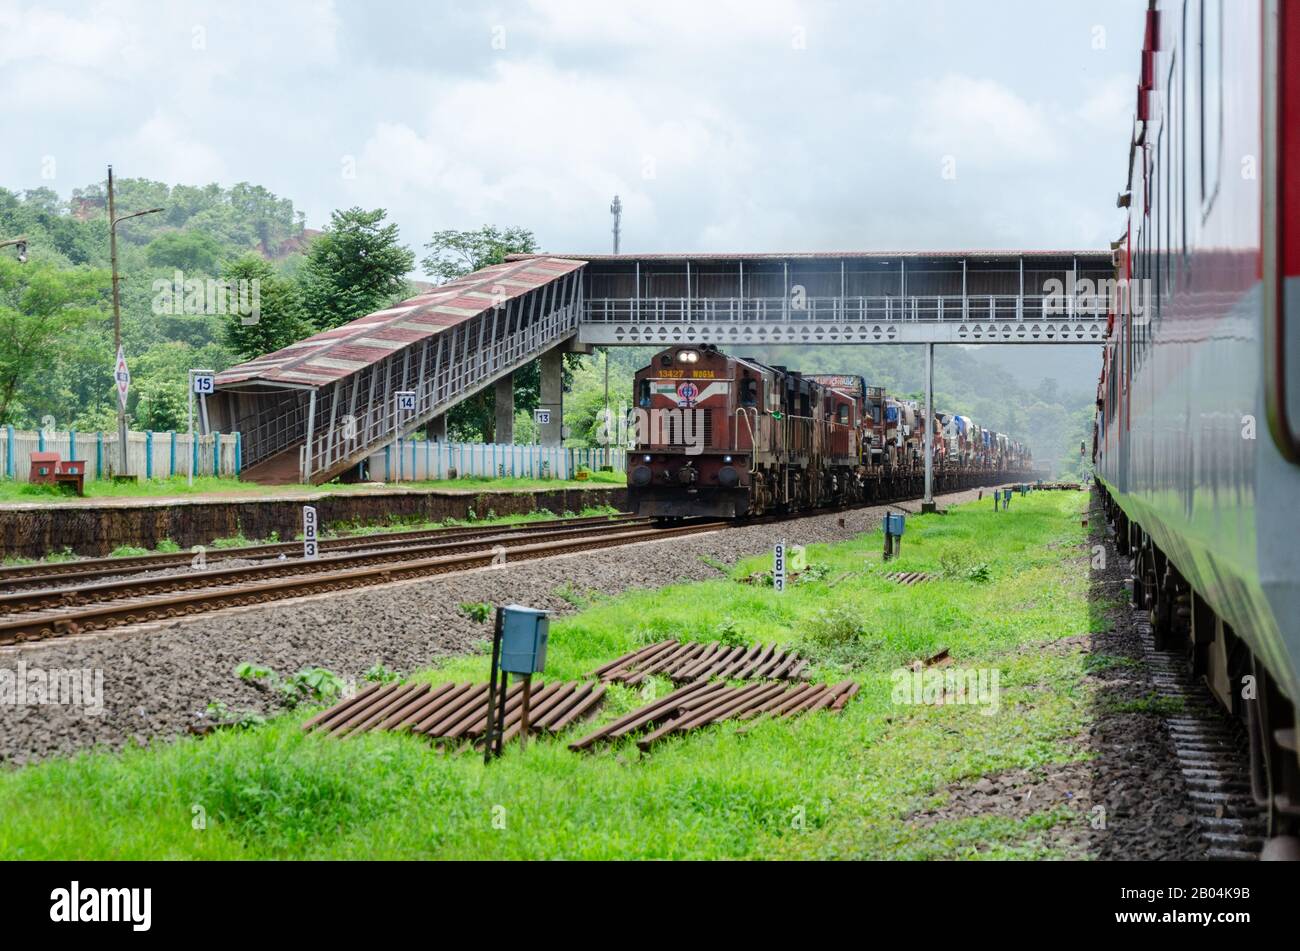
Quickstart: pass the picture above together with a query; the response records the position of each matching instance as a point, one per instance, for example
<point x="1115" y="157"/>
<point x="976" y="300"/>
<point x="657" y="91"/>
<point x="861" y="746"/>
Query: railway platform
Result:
<point x="96" y="527"/>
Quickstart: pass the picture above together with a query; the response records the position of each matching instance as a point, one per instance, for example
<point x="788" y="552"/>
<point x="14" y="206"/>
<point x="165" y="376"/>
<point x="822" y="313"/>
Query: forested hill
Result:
<point x="56" y="328"/>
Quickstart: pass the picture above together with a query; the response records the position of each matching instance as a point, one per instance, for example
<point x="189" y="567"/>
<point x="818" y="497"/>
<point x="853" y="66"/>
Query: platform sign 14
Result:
<point x="309" y="532"/>
<point x="778" y="568"/>
<point x="406" y="401"/>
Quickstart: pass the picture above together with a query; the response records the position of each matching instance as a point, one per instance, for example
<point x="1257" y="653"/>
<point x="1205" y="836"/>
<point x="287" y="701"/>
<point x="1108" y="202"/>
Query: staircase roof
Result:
<point x="334" y="354"/>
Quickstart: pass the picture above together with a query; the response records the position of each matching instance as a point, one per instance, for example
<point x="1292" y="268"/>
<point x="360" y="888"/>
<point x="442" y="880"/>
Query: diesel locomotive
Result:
<point x="729" y="437"/>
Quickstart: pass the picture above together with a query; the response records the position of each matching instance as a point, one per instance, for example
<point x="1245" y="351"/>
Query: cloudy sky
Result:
<point x="755" y="125"/>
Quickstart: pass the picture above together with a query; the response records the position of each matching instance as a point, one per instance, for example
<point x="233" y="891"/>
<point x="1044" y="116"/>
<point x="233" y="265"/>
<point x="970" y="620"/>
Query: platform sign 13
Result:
<point x="309" y="532"/>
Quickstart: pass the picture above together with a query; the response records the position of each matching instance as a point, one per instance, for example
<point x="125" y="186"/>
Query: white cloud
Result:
<point x="982" y="121"/>
<point x="1111" y="104"/>
<point x="753" y="143"/>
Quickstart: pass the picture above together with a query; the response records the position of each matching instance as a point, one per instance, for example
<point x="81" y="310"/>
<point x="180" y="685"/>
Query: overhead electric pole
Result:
<point x="119" y="357"/>
<point x="615" y="209"/>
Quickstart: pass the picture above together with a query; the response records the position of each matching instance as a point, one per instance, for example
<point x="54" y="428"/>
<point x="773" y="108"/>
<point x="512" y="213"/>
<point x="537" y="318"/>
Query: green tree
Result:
<point x="356" y="267"/>
<point x="280" y="319"/>
<point x="40" y="304"/>
<point x="188" y="250"/>
<point x="160" y="384"/>
<point x="455" y="253"/>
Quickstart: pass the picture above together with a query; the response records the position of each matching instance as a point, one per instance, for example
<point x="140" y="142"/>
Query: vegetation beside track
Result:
<point x="1009" y="584"/>
<point x="167" y="546"/>
<point x="179" y="487"/>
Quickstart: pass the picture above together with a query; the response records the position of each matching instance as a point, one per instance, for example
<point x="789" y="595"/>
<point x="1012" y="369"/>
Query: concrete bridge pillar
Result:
<point x="504" y="396"/>
<point x="436" y="430"/>
<point x="552" y="397"/>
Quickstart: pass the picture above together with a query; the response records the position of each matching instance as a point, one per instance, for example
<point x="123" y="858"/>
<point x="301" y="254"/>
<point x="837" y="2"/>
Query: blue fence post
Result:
<point x="40" y="440"/>
<point x="172" y="434"/>
<point x="194" y="454"/>
<point x="239" y="453"/>
<point x="148" y="454"/>
<point x="388" y="477"/>
<point x="72" y="444"/>
<point x="99" y="455"/>
<point x="216" y="454"/>
<point x="9" y="452"/>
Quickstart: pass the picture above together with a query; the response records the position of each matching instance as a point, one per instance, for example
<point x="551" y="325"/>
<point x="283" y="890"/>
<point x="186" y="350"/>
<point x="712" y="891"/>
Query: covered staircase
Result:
<point x="317" y="408"/>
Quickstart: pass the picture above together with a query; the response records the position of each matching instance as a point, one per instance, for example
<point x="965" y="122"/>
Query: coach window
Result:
<point x="1211" y="99"/>
<point x="643" y="398"/>
<point x="748" y="392"/>
<point x="844" y="414"/>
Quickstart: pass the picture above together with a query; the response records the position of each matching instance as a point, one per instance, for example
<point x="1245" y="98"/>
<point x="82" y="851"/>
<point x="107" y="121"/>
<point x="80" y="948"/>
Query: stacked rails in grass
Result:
<point x="684" y="662"/>
<point x="701" y="704"/>
<point x="456" y="712"/>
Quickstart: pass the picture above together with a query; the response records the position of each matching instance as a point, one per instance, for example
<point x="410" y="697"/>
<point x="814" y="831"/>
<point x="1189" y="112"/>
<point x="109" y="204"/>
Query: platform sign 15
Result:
<point x="309" y="532"/>
<point x="778" y="567"/>
<point x="203" y="384"/>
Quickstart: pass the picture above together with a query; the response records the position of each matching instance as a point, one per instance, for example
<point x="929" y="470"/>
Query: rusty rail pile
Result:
<point x="909" y="577"/>
<point x="701" y="704"/>
<point x="455" y="712"/>
<point x="685" y="662"/>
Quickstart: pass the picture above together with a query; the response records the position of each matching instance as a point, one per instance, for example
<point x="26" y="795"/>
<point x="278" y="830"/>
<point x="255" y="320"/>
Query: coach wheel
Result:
<point x="1140" y="578"/>
<point x="1171" y="615"/>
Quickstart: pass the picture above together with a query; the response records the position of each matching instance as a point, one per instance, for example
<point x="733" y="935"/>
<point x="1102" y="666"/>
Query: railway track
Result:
<point x="1212" y="753"/>
<point x="48" y="601"/>
<point x="46" y="613"/>
<point x="88" y="570"/>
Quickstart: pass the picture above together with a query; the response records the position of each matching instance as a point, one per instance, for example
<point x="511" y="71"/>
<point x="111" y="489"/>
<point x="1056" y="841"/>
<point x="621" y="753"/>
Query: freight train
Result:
<point x="1197" y="438"/>
<point x="730" y="437"/>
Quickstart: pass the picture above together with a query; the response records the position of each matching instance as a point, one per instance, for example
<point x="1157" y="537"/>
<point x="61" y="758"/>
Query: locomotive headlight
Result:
<point x="688" y="356"/>
<point x="645" y="458"/>
<point x="726" y="459"/>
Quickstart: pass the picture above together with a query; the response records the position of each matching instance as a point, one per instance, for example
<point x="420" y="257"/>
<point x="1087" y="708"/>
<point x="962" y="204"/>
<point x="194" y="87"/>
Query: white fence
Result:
<point x="421" y="460"/>
<point x="149" y="455"/>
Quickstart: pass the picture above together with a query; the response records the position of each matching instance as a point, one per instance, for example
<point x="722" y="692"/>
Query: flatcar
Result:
<point x="1197" y="437"/>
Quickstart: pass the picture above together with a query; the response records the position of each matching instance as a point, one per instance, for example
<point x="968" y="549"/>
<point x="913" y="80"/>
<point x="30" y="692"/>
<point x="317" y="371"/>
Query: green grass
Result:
<point x="823" y="786"/>
<point x="178" y="486"/>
